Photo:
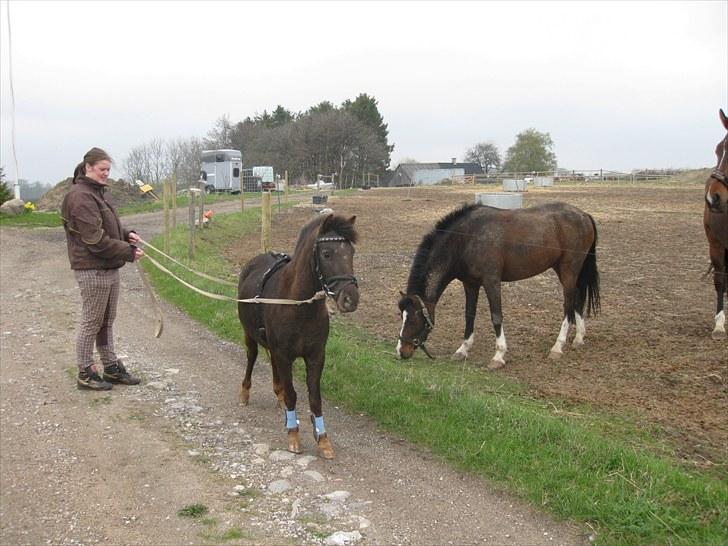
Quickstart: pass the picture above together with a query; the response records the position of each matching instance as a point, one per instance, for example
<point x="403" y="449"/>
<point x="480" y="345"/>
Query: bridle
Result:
<point x="327" y="283"/>
<point x="426" y="328"/>
<point x="718" y="175"/>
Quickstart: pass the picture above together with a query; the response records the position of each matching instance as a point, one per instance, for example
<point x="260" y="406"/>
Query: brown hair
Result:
<point x="93" y="156"/>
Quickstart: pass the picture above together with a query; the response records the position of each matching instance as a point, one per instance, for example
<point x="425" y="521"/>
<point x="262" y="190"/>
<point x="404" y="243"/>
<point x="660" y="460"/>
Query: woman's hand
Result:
<point x="133" y="238"/>
<point x="138" y="253"/>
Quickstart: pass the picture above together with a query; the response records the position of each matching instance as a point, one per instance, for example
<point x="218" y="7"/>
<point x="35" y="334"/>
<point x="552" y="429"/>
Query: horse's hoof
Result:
<point x="294" y="443"/>
<point x="244" y="397"/>
<point x="495" y="364"/>
<point x="577" y="344"/>
<point x="553" y="355"/>
<point x="718" y="334"/>
<point x="458" y="356"/>
<point x="325" y="449"/>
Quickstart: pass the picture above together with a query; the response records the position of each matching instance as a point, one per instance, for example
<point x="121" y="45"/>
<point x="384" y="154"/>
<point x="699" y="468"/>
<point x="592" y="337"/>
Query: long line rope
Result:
<point x="271" y="301"/>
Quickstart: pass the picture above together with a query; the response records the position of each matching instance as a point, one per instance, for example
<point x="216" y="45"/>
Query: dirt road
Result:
<point x="79" y="467"/>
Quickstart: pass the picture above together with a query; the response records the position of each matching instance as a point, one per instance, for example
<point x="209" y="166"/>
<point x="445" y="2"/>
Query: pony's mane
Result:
<point x="323" y="224"/>
<point x="418" y="273"/>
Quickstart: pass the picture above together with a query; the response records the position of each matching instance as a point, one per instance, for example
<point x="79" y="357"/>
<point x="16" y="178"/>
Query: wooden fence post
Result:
<point x="285" y="189"/>
<point x="165" y="207"/>
<point x="174" y="201"/>
<point x="202" y="204"/>
<point x="191" y="216"/>
<point x="242" y="190"/>
<point x="265" y="216"/>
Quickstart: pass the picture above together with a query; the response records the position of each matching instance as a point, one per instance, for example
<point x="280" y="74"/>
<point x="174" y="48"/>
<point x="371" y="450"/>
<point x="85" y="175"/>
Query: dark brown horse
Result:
<point x="322" y="263"/>
<point x="484" y="246"/>
<point x="715" y="222"/>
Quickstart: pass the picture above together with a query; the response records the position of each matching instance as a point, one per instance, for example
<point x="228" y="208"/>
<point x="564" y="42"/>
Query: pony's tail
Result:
<point x="587" y="285"/>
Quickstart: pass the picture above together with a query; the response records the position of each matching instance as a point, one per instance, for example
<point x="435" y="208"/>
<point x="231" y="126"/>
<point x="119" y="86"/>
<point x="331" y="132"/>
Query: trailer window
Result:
<point x="236" y="172"/>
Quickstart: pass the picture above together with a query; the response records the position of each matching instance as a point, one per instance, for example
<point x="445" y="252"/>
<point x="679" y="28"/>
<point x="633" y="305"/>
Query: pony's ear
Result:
<point x="723" y="119"/>
<point x="353" y="218"/>
<point x="326" y="223"/>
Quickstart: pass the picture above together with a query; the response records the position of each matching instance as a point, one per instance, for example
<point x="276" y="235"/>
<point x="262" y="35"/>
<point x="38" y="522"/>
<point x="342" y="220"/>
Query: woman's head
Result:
<point x="96" y="165"/>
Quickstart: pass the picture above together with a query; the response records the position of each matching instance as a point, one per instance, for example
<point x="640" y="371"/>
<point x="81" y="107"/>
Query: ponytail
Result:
<point x="79" y="170"/>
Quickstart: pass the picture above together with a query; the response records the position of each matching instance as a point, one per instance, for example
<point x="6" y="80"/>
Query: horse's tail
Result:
<point x="587" y="285"/>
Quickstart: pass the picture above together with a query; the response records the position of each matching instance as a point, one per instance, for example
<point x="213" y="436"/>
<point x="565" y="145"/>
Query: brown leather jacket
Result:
<point x="96" y="239"/>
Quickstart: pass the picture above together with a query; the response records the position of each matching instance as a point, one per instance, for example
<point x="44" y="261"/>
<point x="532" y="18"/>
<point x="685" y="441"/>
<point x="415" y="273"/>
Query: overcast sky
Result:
<point x="618" y="85"/>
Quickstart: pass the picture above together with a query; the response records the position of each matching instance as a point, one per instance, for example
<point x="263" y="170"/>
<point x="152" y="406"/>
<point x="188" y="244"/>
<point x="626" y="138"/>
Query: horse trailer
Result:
<point x="221" y="170"/>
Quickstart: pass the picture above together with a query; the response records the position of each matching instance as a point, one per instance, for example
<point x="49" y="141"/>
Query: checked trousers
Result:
<point x="99" y="297"/>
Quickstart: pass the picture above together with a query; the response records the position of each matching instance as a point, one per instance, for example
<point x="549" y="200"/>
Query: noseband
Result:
<point x="718" y="176"/>
<point x="327" y="283"/>
<point x="427" y="328"/>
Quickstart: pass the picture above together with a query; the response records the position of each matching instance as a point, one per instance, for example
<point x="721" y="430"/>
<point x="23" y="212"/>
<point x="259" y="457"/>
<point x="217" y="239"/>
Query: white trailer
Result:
<point x="221" y="170"/>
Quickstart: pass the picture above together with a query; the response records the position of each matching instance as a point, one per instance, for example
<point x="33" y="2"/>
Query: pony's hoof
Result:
<point x="554" y="355"/>
<point x="325" y="449"/>
<point x="294" y="443"/>
<point x="495" y="364"/>
<point x="458" y="356"/>
<point x="718" y="334"/>
<point x="577" y="343"/>
<point x="244" y="397"/>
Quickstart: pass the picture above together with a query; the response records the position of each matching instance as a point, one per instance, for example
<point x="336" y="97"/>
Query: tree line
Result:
<point x="347" y="141"/>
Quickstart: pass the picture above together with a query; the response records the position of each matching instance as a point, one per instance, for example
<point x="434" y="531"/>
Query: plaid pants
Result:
<point x="99" y="296"/>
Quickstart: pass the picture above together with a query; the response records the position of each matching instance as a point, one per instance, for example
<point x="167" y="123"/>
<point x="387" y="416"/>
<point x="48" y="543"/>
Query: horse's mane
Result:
<point x="418" y="273"/>
<point x="323" y="224"/>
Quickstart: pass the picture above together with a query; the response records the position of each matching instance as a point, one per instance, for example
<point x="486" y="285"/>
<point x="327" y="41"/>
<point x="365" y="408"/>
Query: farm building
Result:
<point x="417" y="174"/>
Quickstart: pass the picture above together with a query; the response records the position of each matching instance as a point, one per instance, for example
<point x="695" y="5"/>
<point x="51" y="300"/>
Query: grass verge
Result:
<point x="589" y="468"/>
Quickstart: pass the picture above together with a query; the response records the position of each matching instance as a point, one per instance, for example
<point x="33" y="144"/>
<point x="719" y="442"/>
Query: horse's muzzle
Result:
<point x="347" y="299"/>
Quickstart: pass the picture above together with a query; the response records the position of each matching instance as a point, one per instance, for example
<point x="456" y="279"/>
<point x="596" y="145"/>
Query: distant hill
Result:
<point x="122" y="194"/>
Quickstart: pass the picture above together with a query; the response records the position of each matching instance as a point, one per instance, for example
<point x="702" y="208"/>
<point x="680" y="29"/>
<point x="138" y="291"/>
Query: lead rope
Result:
<point x="274" y="301"/>
<point x="198" y="273"/>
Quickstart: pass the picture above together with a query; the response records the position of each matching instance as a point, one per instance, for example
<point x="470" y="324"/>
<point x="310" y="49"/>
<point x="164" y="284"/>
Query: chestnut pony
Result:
<point x="484" y="246"/>
<point x="322" y="262"/>
<point x="715" y="222"/>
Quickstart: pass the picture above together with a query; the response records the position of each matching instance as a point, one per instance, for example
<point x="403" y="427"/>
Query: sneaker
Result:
<point x="116" y="373"/>
<point x="90" y="379"/>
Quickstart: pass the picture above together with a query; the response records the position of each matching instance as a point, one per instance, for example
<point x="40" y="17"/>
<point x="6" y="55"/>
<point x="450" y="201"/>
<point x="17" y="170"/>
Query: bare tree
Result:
<point x="485" y="154"/>
<point x="136" y="164"/>
<point x="221" y="135"/>
<point x="157" y="160"/>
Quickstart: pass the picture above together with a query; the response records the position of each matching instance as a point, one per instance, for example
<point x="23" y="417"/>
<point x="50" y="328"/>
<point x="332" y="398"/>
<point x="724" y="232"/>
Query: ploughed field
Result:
<point x="648" y="353"/>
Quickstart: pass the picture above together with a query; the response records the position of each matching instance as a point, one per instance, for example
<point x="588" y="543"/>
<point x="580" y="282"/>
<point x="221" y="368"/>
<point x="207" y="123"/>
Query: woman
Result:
<point x="98" y="245"/>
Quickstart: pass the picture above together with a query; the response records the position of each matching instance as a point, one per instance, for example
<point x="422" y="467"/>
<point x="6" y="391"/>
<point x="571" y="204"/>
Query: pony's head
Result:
<point x="331" y="240"/>
<point x="716" y="188"/>
<point x="418" y="320"/>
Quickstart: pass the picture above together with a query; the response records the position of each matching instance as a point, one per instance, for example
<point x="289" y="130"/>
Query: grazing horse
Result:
<point x="322" y="263"/>
<point x="484" y="246"/>
<point x="715" y="222"/>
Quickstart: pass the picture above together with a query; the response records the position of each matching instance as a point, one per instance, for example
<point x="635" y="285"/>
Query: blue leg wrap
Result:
<point x="318" y="423"/>
<point x="291" y="420"/>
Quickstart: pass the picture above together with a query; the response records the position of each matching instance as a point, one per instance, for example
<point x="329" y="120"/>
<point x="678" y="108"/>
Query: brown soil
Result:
<point x="648" y="354"/>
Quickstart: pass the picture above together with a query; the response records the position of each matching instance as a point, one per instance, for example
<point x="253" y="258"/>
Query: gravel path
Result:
<point x="79" y="467"/>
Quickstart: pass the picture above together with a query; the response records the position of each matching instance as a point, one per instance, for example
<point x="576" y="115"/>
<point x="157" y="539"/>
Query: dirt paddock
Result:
<point x="649" y="353"/>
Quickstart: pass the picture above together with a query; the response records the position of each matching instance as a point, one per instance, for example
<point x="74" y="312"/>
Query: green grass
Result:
<point x="196" y="510"/>
<point x="31" y="219"/>
<point x="606" y="471"/>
